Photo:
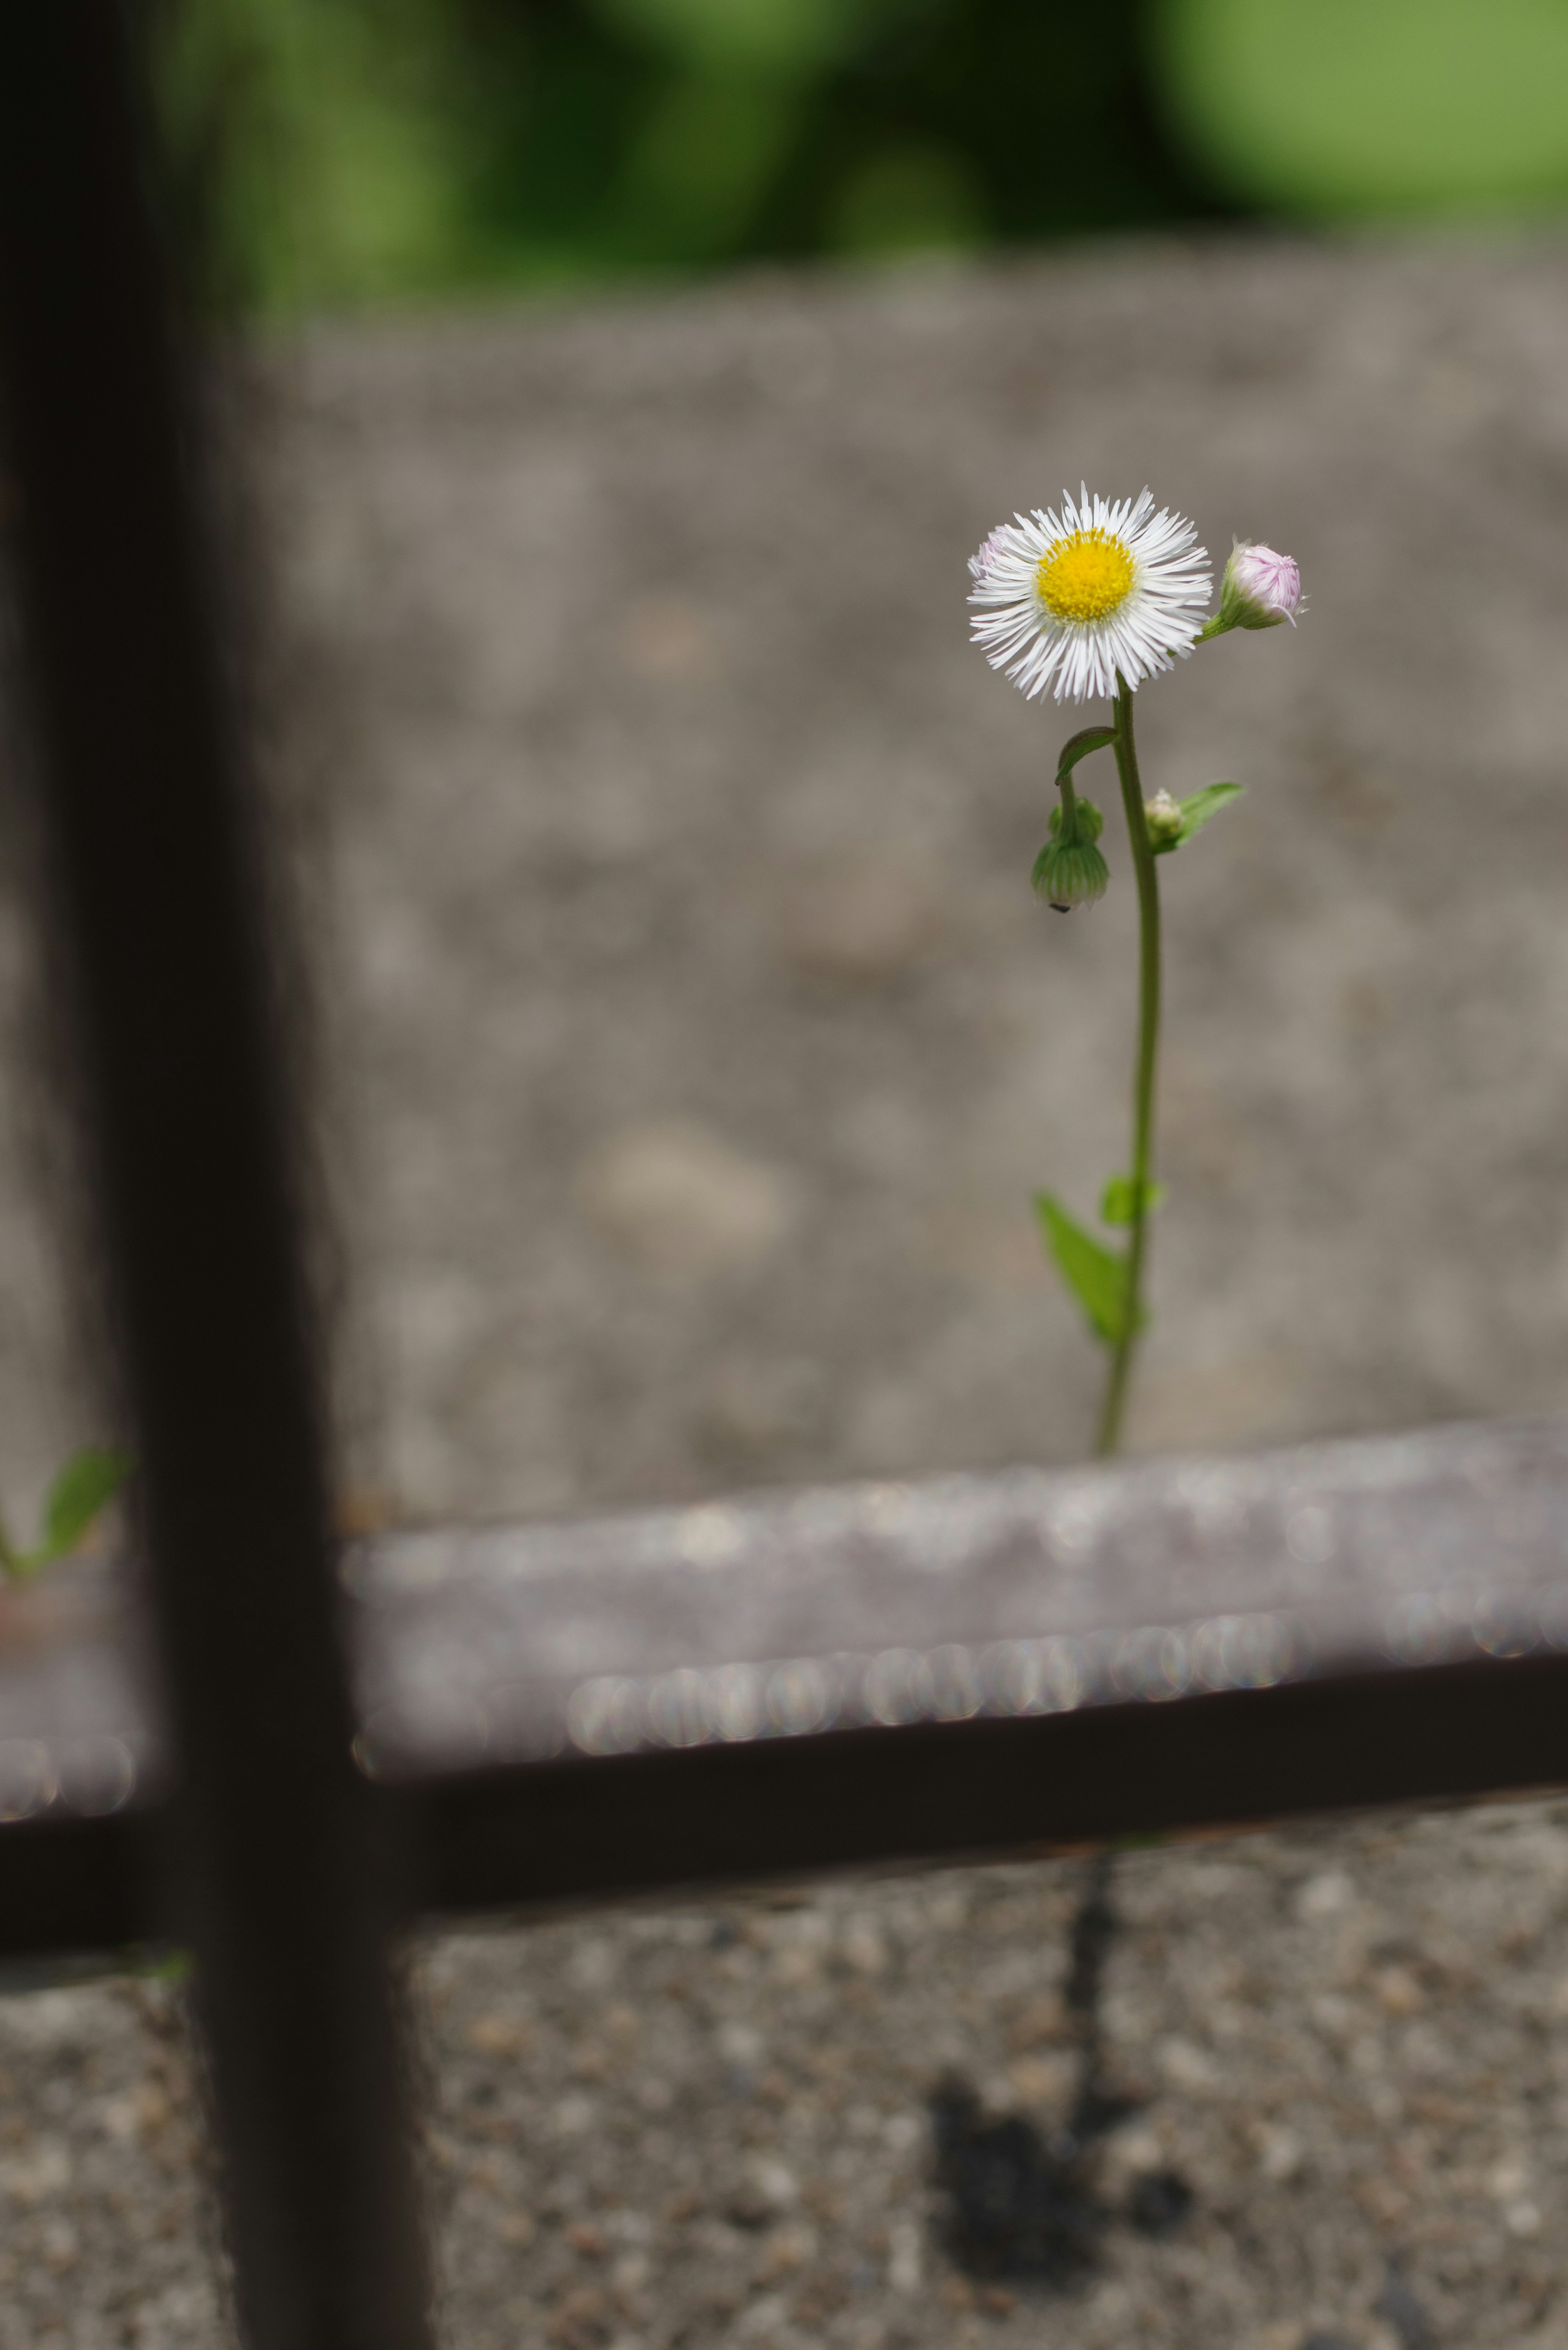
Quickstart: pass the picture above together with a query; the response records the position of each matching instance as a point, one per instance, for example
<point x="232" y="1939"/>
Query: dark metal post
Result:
<point x="277" y="1865"/>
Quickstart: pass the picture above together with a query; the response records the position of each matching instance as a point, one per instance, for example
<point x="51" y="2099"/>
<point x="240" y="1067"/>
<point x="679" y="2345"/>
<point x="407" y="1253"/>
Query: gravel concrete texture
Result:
<point x="1338" y="2059"/>
<point x="106" y="2235"/>
<point x="1332" y="2082"/>
<point x="690" y="1045"/>
<point x="692" y="1042"/>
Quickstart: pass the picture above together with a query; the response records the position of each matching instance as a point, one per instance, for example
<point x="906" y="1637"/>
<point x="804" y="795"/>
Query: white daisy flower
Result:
<point x="1066" y="601"/>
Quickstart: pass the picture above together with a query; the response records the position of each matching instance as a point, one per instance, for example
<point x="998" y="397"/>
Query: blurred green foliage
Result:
<point x="352" y="150"/>
<point x="1369" y="108"/>
<point x="342" y="151"/>
<point x="82" y="1489"/>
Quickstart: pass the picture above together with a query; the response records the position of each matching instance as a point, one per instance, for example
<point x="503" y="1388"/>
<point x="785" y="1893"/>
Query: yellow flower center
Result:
<point x="1085" y="578"/>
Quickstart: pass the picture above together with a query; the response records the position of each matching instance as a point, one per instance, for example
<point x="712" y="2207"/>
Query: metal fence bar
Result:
<point x="273" y="1854"/>
<point x="573" y="1831"/>
<point x="795" y="1682"/>
<point x="578" y="1831"/>
<point x="81" y="1885"/>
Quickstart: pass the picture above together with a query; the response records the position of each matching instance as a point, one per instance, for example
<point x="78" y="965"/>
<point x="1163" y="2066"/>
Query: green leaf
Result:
<point x="1118" y="1203"/>
<point x="85" y="1485"/>
<point x="1196" y="810"/>
<point x="1198" y="806"/>
<point x="1096" y="1275"/>
<point x="1078" y="746"/>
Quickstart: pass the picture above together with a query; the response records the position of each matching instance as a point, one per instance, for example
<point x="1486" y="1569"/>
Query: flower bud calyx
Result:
<point x="1261" y="589"/>
<point x="1070" y="870"/>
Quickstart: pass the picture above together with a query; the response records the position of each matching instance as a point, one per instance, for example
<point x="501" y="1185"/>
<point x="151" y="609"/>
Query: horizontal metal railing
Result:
<point x="878" y="1672"/>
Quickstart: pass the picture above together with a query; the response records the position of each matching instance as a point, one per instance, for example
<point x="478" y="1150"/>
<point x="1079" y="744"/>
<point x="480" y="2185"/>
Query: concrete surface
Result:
<point x="1331" y="2092"/>
<point x="690" y="1038"/>
<point x="693" y="1042"/>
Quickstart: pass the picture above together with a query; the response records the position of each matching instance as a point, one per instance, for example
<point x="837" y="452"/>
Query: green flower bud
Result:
<point x="1069" y="870"/>
<point x="1164" y="820"/>
<point x="1087" y="823"/>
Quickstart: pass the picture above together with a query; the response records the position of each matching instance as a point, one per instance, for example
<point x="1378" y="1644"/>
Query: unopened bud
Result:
<point x="1164" y="820"/>
<point x="1070" y="870"/>
<point x="1070" y="877"/>
<point x="1260" y="589"/>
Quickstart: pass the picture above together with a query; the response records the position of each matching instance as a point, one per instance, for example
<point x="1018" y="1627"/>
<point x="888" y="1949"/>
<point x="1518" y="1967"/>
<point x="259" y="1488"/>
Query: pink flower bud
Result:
<point x="1260" y="589"/>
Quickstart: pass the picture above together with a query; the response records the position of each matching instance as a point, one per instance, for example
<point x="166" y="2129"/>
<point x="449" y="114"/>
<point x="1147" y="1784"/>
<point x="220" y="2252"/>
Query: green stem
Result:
<point x="1069" y="806"/>
<point x="1147" y="1053"/>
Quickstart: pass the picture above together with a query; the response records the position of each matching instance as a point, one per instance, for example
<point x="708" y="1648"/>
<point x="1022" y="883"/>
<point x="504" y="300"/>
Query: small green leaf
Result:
<point x="85" y="1485"/>
<point x="1096" y="1275"/>
<point x="1118" y="1205"/>
<point x="1196" y="810"/>
<point x="1198" y="806"/>
<point x="1078" y="746"/>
